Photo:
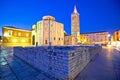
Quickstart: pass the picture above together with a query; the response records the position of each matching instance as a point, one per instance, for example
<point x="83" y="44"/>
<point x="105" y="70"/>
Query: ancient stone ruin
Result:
<point x="63" y="62"/>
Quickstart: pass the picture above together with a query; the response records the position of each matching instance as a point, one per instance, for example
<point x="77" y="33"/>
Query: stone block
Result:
<point x="61" y="62"/>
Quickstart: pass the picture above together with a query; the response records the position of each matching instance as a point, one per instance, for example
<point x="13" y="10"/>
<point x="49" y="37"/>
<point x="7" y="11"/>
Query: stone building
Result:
<point x="0" y="40"/>
<point x="70" y="40"/>
<point x="95" y="38"/>
<point x="48" y="32"/>
<point x="75" y="24"/>
<point x="83" y="39"/>
<point x="0" y="37"/>
<point x="116" y="36"/>
<point x="16" y="37"/>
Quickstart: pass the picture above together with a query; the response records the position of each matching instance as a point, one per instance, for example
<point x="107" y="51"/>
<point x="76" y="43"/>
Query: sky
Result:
<point x="95" y="15"/>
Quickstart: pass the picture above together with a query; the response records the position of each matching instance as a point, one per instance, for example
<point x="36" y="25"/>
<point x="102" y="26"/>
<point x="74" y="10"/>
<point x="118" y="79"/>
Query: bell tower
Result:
<point x="75" y="23"/>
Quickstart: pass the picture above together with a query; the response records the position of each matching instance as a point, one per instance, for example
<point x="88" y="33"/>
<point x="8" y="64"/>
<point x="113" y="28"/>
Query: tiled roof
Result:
<point x="94" y="32"/>
<point x="14" y="28"/>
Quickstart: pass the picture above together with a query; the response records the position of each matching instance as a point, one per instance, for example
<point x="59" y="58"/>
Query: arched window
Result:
<point x="33" y="40"/>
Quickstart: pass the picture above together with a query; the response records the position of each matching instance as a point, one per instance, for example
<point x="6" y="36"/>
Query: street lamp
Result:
<point x="109" y="36"/>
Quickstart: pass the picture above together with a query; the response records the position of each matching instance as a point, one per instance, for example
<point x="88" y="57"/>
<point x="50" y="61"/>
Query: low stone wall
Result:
<point x="79" y="58"/>
<point x="64" y="62"/>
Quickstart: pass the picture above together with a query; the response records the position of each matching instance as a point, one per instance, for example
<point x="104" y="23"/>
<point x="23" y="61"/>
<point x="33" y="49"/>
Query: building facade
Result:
<point x="95" y="38"/>
<point x="70" y="40"/>
<point x="84" y="39"/>
<point x="116" y="36"/>
<point x="48" y="32"/>
<point x="16" y="37"/>
<point x="75" y="24"/>
<point x="0" y="40"/>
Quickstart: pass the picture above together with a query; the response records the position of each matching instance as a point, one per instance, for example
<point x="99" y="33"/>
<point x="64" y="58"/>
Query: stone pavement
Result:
<point x="12" y="68"/>
<point x="105" y="66"/>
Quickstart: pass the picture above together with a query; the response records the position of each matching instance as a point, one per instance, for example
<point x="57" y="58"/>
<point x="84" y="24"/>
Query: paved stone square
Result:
<point x="105" y="66"/>
<point x="12" y="68"/>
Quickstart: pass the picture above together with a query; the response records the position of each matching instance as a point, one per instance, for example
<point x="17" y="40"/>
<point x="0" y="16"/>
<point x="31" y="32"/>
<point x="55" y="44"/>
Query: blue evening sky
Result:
<point x="95" y="15"/>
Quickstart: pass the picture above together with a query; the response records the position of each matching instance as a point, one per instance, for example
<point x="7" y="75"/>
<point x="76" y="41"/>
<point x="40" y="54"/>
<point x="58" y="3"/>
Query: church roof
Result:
<point x="75" y="9"/>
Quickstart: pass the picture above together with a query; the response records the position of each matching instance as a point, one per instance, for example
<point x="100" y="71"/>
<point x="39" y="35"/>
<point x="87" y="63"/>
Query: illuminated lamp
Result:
<point x="1" y="40"/>
<point x="109" y="35"/>
<point x="5" y="34"/>
<point x="15" y="40"/>
<point x="23" y="40"/>
<point x="79" y="41"/>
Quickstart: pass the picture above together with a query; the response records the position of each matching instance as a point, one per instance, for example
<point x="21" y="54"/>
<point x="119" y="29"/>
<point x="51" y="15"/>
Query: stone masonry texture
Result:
<point x="60" y="62"/>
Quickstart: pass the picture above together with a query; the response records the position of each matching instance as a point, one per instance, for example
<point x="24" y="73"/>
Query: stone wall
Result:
<point x="79" y="58"/>
<point x="70" y="40"/>
<point x="60" y="62"/>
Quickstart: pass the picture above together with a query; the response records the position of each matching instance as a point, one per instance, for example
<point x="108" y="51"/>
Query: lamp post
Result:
<point x="109" y="36"/>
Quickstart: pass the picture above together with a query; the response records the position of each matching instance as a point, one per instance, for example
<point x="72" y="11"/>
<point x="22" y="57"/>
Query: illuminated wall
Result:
<point x="16" y="37"/>
<point x="75" y="24"/>
<point x="116" y="36"/>
<point x="48" y="32"/>
<point x="0" y="40"/>
<point x="95" y="38"/>
<point x="70" y="40"/>
<point x="84" y="39"/>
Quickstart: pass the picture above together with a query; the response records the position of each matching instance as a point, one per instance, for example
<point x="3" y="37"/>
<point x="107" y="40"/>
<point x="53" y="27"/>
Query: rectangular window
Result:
<point x="10" y="32"/>
<point x="19" y="33"/>
<point x="27" y="35"/>
<point x="45" y="41"/>
<point x="33" y="39"/>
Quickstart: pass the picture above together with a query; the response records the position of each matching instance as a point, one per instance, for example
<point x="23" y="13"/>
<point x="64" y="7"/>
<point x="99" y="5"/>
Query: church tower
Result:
<point x="75" y="24"/>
